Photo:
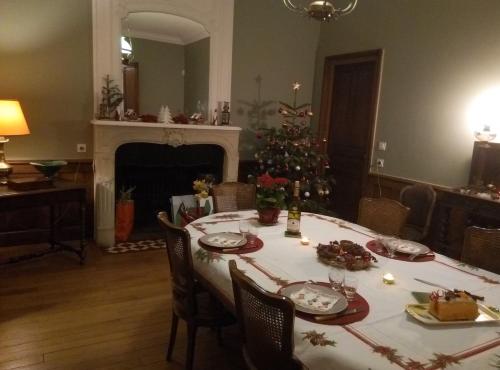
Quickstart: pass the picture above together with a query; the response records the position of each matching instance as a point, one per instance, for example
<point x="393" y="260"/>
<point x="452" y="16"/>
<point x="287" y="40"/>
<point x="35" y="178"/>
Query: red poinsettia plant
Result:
<point x="271" y="192"/>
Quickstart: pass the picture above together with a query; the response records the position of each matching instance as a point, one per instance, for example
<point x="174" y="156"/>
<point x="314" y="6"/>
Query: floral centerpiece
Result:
<point x="271" y="195"/>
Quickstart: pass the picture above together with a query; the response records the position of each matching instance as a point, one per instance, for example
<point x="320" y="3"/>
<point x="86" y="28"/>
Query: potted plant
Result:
<point x="271" y="194"/>
<point x="124" y="222"/>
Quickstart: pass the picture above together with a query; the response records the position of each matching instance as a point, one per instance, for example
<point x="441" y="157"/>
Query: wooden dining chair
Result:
<point x="189" y="301"/>
<point x="481" y="248"/>
<point x="421" y="199"/>
<point x="233" y="196"/>
<point x="382" y="215"/>
<point x="266" y="323"/>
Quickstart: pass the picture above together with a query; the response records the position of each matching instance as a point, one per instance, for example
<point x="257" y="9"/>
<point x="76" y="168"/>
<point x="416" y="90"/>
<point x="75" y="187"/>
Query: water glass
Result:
<point x="336" y="277"/>
<point x="350" y="286"/>
<point x="244" y="227"/>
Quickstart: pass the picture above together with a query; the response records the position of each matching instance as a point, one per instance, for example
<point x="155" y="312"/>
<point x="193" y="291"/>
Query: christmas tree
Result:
<point x="294" y="152"/>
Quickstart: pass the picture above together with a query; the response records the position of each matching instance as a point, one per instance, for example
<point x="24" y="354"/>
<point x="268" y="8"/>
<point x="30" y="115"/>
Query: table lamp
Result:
<point x="12" y="122"/>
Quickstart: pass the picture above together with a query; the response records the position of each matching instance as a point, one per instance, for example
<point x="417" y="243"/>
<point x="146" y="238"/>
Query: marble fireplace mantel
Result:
<point x="110" y="135"/>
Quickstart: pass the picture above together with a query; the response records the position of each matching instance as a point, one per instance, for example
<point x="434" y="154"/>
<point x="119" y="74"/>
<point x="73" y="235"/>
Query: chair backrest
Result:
<point x="178" y="243"/>
<point x="233" y="196"/>
<point x="385" y="216"/>
<point x="266" y="323"/>
<point x="420" y="198"/>
<point x="482" y="248"/>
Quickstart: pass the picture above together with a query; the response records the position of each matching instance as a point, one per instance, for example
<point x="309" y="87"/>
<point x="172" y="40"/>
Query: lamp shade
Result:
<point x="12" y="121"/>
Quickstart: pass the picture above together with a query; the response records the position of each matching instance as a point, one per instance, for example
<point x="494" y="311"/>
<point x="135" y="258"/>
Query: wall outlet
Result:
<point x="81" y="148"/>
<point x="382" y="146"/>
<point x="380" y="163"/>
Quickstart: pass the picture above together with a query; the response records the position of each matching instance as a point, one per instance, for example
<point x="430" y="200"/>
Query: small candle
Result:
<point x="305" y="240"/>
<point x="389" y="278"/>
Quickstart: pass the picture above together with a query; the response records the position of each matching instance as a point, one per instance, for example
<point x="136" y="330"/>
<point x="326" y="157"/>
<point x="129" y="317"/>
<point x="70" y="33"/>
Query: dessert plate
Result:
<point x="421" y="313"/>
<point x="315" y="299"/>
<point x="224" y="240"/>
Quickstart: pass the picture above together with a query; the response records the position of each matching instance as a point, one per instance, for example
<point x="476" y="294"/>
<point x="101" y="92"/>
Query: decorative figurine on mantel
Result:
<point x="165" y="116"/>
<point x="110" y="99"/>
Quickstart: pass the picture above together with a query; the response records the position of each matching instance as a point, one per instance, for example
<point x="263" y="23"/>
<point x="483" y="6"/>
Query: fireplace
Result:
<point x="111" y="136"/>
<point x="158" y="171"/>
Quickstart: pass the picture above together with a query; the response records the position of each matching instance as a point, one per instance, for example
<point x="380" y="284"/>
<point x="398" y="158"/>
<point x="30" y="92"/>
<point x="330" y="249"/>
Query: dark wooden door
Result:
<point x="347" y="120"/>
<point x="131" y="86"/>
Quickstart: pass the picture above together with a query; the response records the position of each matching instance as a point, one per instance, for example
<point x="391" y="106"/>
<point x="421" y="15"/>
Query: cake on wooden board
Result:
<point x="453" y="306"/>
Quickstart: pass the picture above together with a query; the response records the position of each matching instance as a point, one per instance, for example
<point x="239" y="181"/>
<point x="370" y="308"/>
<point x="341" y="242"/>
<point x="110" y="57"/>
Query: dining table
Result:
<point x="387" y="337"/>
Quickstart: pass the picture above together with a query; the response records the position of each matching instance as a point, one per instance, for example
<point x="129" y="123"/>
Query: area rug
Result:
<point x="136" y="246"/>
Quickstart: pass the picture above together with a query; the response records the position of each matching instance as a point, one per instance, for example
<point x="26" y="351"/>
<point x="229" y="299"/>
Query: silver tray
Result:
<point x="224" y="240"/>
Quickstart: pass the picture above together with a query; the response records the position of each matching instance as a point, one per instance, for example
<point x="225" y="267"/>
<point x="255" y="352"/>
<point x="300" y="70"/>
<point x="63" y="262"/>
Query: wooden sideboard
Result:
<point x="453" y="212"/>
<point x="56" y="200"/>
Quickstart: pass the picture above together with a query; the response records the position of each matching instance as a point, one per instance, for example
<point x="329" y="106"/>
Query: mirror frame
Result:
<point x="215" y="15"/>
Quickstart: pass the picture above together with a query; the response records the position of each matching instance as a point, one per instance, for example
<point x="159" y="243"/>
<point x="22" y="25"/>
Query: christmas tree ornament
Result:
<point x="297" y="168"/>
<point x="307" y="194"/>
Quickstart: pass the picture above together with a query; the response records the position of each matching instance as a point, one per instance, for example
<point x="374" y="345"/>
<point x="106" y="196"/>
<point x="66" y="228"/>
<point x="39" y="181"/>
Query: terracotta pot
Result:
<point x="124" y="222"/>
<point x="268" y="216"/>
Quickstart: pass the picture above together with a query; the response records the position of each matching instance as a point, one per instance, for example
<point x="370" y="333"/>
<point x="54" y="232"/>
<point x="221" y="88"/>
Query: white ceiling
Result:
<point x="163" y="27"/>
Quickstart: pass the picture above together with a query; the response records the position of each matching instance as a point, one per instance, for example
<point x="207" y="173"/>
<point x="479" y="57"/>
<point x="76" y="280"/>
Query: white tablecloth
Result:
<point x="387" y="338"/>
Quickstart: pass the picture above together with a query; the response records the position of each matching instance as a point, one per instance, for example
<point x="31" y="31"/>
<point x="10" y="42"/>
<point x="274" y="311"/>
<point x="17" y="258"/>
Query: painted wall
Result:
<point x="160" y="75"/>
<point x="46" y="63"/>
<point x="439" y="55"/>
<point x="272" y="48"/>
<point x="197" y="59"/>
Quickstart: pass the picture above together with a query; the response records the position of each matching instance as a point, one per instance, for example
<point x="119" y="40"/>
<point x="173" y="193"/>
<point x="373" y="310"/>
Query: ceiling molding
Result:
<point x="156" y="37"/>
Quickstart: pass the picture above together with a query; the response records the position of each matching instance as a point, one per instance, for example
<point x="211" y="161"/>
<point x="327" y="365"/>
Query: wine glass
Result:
<point x="336" y="277"/>
<point x="253" y="233"/>
<point x="350" y="286"/>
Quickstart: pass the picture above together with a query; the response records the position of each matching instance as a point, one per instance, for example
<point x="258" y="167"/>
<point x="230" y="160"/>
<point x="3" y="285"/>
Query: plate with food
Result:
<point x="224" y="240"/>
<point x="314" y="298"/>
<point x="345" y="254"/>
<point x="452" y="308"/>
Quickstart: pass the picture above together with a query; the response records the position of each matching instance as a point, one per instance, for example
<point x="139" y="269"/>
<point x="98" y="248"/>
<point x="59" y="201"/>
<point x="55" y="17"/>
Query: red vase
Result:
<point x="269" y="216"/>
<point x="124" y="222"/>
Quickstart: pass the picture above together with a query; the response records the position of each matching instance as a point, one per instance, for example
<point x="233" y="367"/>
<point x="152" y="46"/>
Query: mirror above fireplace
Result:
<point x="216" y="17"/>
<point x="165" y="63"/>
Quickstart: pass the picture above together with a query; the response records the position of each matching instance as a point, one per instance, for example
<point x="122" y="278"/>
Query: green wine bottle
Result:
<point x="293" y="223"/>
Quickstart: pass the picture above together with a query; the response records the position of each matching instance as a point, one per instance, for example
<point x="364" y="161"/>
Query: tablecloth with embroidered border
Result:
<point x="387" y="338"/>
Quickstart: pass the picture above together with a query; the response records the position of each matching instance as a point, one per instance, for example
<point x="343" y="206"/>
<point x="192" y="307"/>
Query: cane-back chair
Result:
<point x="266" y="323"/>
<point x="382" y="215"/>
<point x="420" y="198"/>
<point x="189" y="301"/>
<point x="482" y="248"/>
<point x="233" y="196"/>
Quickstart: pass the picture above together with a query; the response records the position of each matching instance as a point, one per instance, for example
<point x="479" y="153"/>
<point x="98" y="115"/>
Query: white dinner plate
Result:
<point x="315" y="299"/>
<point x="406" y="246"/>
<point x="224" y="240"/>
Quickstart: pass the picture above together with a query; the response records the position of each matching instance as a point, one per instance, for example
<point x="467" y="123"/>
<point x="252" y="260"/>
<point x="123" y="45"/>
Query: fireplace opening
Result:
<point x="159" y="171"/>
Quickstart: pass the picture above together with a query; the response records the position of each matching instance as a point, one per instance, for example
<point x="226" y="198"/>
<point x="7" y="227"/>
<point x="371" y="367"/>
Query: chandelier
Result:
<point x="321" y="10"/>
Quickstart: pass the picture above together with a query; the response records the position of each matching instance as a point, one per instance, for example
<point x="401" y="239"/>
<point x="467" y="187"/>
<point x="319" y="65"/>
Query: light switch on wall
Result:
<point x="382" y="146"/>
<point x="81" y="148"/>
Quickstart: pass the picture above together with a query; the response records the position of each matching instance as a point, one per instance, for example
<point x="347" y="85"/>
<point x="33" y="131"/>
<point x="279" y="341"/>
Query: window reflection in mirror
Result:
<point x="167" y="66"/>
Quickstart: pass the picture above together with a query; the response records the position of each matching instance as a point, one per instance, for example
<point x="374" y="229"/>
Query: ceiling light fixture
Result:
<point x="321" y="10"/>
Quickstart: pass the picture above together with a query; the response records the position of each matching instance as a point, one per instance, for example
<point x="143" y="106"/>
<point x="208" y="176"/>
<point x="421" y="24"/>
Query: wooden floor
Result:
<point x="113" y="313"/>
